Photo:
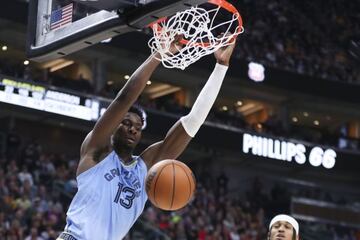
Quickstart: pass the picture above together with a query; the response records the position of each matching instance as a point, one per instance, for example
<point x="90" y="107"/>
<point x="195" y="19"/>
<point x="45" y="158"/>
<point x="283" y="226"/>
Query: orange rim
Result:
<point x="222" y="3"/>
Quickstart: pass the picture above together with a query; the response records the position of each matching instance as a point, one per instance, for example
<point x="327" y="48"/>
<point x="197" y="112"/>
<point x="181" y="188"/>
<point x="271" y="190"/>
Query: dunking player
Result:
<point x="111" y="180"/>
<point x="283" y="227"/>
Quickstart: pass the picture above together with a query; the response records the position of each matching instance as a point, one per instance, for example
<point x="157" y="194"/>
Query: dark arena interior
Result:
<point x="287" y="141"/>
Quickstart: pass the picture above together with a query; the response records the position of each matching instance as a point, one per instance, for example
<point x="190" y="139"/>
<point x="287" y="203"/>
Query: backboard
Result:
<point x="57" y="28"/>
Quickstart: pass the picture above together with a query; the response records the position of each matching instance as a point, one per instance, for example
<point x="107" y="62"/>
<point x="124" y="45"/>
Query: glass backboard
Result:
<point x="57" y="28"/>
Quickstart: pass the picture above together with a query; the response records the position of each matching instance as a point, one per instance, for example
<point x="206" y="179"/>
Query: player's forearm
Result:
<point x="116" y="111"/>
<point x="202" y="106"/>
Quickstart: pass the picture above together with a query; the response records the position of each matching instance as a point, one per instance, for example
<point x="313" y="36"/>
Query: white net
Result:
<point x="197" y="27"/>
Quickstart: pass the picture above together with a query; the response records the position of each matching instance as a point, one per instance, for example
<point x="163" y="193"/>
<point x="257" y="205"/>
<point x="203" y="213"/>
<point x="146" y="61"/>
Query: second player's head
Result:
<point x="128" y="133"/>
<point x="283" y="227"/>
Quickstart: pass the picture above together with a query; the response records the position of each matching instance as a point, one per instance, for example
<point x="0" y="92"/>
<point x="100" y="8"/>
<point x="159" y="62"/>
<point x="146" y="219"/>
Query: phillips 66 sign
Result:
<point x="288" y="151"/>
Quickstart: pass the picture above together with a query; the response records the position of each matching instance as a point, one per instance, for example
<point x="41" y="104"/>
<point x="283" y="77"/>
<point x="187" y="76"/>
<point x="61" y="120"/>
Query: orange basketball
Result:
<point x="170" y="184"/>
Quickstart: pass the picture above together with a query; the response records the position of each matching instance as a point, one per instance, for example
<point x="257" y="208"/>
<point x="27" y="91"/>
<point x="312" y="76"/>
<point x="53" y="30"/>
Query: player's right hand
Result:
<point x="176" y="45"/>
<point x="223" y="54"/>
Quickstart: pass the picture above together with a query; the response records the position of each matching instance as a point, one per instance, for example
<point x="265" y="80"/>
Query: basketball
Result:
<point x="170" y="184"/>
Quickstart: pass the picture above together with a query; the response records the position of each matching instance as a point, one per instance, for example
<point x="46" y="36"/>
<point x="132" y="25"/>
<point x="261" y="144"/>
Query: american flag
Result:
<point x="61" y="17"/>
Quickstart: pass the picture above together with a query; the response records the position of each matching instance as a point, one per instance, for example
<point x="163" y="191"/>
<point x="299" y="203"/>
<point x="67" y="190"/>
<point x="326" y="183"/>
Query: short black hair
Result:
<point x="140" y="112"/>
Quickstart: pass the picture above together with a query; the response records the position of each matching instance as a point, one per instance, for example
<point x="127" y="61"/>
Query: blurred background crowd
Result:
<point x="36" y="188"/>
<point x="319" y="39"/>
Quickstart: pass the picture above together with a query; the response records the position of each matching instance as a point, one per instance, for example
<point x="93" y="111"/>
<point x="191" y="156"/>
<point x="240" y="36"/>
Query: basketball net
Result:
<point x="199" y="32"/>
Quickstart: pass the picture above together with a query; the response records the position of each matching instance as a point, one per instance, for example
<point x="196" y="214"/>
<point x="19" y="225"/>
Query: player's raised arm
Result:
<point x="185" y="129"/>
<point x="99" y="137"/>
<point x="98" y="140"/>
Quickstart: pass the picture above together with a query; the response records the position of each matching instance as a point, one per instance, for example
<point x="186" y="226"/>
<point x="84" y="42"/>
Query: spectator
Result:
<point x="34" y="235"/>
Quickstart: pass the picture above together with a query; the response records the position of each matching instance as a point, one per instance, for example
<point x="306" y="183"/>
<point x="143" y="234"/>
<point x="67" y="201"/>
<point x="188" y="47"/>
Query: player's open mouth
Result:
<point x="280" y="236"/>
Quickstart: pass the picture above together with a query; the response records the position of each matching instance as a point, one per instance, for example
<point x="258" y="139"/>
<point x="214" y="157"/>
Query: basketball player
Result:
<point x="111" y="180"/>
<point x="283" y="227"/>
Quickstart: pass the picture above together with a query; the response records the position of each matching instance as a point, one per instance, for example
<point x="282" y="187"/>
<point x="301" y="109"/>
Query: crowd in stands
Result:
<point x="215" y="214"/>
<point x="36" y="189"/>
<point x="30" y="206"/>
<point x="309" y="38"/>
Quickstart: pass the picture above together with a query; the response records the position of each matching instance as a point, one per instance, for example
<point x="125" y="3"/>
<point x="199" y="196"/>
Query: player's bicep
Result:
<point x="90" y="145"/>
<point x="171" y="147"/>
<point x="91" y="154"/>
<point x="86" y="144"/>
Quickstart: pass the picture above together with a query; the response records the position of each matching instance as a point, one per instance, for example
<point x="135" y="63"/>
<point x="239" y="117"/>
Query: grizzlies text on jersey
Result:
<point x="110" y="197"/>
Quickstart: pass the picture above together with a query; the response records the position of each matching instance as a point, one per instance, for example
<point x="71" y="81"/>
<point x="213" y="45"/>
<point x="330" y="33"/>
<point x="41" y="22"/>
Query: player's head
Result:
<point x="128" y="133"/>
<point x="283" y="227"/>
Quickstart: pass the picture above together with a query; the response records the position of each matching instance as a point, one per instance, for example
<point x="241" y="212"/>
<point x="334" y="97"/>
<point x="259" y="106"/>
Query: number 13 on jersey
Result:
<point x="128" y="196"/>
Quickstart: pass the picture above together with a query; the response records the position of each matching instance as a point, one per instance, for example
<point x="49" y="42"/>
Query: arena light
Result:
<point x="148" y="82"/>
<point x="250" y="108"/>
<point x="157" y="90"/>
<point x="126" y="77"/>
<point x="4" y="48"/>
<point x="57" y="64"/>
<point x="106" y="40"/>
<point x="26" y="62"/>
<point x="294" y="119"/>
<point x="239" y="103"/>
<point x="256" y="72"/>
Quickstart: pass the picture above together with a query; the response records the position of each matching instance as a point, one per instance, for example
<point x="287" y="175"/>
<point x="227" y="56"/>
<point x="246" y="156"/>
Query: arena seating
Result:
<point x="311" y="39"/>
<point x="36" y="189"/>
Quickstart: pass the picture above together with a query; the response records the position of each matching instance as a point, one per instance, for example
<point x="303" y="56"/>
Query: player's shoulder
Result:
<point x="93" y="167"/>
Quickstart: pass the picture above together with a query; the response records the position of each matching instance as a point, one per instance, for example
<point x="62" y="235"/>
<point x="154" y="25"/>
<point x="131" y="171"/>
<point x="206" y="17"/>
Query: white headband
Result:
<point x="286" y="218"/>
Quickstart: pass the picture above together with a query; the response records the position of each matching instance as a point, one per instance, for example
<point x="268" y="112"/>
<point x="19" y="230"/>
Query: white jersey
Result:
<point x="110" y="197"/>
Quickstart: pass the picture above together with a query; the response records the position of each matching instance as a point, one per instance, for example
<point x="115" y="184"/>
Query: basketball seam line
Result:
<point x="156" y="183"/>
<point x="173" y="188"/>
<point x="188" y="180"/>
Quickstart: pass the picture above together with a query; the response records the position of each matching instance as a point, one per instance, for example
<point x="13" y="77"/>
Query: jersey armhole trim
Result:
<point x="82" y="176"/>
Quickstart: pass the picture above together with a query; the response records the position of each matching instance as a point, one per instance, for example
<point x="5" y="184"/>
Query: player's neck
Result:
<point x="125" y="157"/>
